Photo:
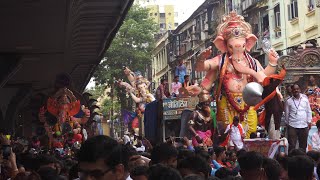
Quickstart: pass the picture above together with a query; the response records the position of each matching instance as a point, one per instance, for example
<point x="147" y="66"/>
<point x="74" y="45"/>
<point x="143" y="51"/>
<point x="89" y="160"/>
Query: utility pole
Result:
<point x="112" y="134"/>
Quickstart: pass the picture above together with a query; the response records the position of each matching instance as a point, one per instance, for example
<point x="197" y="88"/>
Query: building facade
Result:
<point x="294" y="23"/>
<point x="186" y="42"/>
<point x="291" y="26"/>
<point x="295" y="31"/>
<point x="159" y="65"/>
<point x="255" y="13"/>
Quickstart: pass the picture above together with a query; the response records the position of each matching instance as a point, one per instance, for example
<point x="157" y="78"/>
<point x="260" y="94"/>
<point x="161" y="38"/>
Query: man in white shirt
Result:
<point x="315" y="139"/>
<point x="126" y="138"/>
<point x="236" y="134"/>
<point x="175" y="86"/>
<point x="298" y="118"/>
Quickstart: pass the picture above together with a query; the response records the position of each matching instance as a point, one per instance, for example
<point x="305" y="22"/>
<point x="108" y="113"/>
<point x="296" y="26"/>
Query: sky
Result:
<point x="185" y="8"/>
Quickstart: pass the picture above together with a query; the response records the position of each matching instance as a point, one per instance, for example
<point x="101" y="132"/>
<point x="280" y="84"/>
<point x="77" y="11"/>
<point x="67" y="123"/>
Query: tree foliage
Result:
<point x="131" y="47"/>
<point x="106" y="104"/>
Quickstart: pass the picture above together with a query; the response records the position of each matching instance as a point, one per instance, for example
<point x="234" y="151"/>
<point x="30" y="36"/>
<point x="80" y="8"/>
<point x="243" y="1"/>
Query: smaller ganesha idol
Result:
<point x="138" y="90"/>
<point x="138" y="87"/>
<point x="61" y="107"/>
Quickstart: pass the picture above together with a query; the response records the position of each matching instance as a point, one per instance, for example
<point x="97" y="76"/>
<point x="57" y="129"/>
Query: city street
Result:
<point x="160" y="90"/>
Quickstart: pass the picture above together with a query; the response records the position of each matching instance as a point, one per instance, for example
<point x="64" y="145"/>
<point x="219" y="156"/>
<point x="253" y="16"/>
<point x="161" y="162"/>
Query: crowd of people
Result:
<point x="102" y="157"/>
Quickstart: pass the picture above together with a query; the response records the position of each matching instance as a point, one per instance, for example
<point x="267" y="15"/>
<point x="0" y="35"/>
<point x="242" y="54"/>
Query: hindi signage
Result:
<point x="173" y="107"/>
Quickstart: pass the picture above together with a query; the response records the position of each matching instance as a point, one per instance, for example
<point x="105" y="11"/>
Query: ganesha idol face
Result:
<point x="236" y="46"/>
<point x="142" y="88"/>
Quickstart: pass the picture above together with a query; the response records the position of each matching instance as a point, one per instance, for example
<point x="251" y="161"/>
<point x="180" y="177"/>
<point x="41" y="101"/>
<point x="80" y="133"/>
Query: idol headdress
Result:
<point x="233" y="26"/>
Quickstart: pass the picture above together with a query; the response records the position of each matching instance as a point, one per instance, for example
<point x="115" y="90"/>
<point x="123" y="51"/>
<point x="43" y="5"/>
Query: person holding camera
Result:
<point x="8" y="162"/>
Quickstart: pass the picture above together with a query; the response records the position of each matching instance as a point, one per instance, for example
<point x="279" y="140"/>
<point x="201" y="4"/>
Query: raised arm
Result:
<point x="273" y="63"/>
<point x="135" y="98"/>
<point x="203" y="64"/>
<point x="130" y="75"/>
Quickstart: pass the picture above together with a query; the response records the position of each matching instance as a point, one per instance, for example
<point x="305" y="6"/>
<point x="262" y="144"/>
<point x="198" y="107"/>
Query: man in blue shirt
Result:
<point x="181" y="71"/>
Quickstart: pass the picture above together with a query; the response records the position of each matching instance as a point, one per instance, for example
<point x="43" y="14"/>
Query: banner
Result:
<point x="173" y="107"/>
<point x="259" y="145"/>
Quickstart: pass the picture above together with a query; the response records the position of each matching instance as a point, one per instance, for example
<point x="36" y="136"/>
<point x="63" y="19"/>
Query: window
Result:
<point x="155" y="14"/>
<point x="169" y="14"/>
<point x="278" y="19"/>
<point x="293" y="9"/>
<point x="163" y="25"/>
<point x="203" y="20"/>
<point x="280" y="53"/>
<point x="278" y="34"/>
<point x="311" y="5"/>
<point x="176" y="24"/>
<point x="230" y="5"/>
<point x="277" y="16"/>
<point x="162" y="15"/>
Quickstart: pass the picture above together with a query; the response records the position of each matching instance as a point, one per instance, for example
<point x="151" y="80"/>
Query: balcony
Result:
<point x="246" y="4"/>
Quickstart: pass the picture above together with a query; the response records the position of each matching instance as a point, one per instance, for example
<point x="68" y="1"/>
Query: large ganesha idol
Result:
<point x="138" y="90"/>
<point x="231" y="71"/>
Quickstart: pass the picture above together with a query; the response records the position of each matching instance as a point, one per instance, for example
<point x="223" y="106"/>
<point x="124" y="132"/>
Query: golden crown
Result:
<point x="233" y="26"/>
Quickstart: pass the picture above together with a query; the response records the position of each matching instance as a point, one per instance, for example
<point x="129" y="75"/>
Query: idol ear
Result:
<point x="251" y="40"/>
<point x="220" y="43"/>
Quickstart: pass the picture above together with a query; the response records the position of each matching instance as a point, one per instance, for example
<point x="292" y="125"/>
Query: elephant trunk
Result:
<point x="245" y="69"/>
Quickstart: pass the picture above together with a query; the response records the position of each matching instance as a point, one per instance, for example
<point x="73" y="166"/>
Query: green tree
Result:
<point x="106" y="103"/>
<point x="131" y="47"/>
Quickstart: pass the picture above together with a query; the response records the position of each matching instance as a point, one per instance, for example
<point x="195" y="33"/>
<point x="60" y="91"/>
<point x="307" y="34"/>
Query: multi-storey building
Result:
<point x="162" y="14"/>
<point x="191" y="37"/>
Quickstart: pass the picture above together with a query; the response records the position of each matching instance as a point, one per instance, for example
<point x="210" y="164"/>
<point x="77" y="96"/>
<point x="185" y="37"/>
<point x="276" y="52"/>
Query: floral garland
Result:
<point x="231" y="101"/>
